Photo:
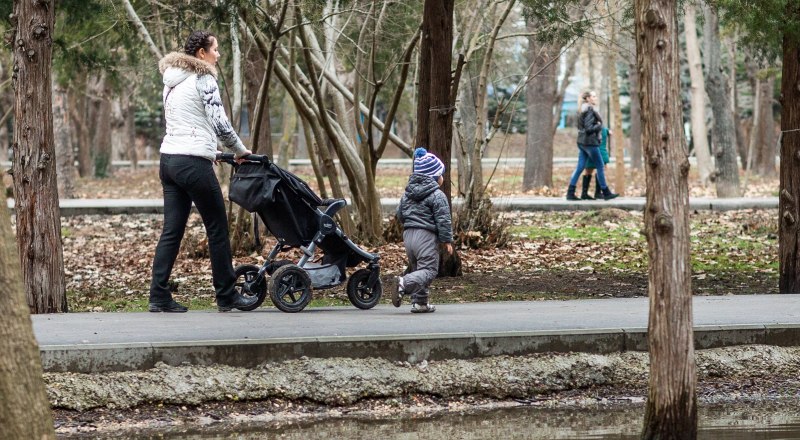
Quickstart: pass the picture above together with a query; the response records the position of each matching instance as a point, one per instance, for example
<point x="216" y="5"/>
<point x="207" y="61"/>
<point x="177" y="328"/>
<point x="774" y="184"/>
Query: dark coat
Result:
<point x="589" y="126"/>
<point x="424" y="206"/>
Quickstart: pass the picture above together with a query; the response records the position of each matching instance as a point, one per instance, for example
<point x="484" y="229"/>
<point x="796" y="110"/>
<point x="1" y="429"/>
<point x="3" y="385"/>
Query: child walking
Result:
<point x="425" y="216"/>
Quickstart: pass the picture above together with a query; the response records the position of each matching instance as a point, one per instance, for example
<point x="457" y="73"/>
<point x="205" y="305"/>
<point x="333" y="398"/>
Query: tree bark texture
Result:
<point x="635" y="133"/>
<point x="541" y="94"/>
<point x="423" y="86"/>
<point x="698" y="96"/>
<point x="437" y="28"/>
<point x="100" y="118"/>
<point x="66" y="172"/>
<point x="254" y="75"/>
<point x="726" y="174"/>
<point x="34" y="165"/>
<point x="617" y="140"/>
<point x="741" y="145"/>
<point x="789" y="200"/>
<point x="236" y="63"/>
<point x="671" y="409"/>
<point x="79" y="116"/>
<point x="569" y="71"/>
<point x="763" y="131"/>
<point x="119" y="139"/>
<point x="469" y="118"/>
<point x="24" y="408"/>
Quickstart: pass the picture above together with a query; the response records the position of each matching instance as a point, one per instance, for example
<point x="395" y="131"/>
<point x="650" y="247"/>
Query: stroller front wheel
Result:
<point x="360" y="293"/>
<point x="290" y="288"/>
<point x="245" y="276"/>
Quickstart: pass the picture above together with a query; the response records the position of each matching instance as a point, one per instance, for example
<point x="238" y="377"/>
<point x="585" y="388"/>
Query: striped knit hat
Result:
<point x="427" y="163"/>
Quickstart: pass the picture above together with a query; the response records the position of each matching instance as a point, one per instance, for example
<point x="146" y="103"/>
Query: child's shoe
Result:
<point x="423" y="308"/>
<point x="397" y="290"/>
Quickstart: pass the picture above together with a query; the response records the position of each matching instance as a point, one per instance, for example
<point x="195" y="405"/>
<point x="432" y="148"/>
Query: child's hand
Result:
<point x="449" y="248"/>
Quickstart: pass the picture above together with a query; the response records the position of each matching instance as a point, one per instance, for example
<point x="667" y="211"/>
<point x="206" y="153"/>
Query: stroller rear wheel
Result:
<point x="245" y="275"/>
<point x="359" y="292"/>
<point x="290" y="288"/>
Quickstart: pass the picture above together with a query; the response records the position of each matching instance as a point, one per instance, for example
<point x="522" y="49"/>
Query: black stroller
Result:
<point x="291" y="211"/>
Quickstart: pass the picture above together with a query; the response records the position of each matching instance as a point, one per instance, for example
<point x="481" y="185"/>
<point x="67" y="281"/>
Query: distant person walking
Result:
<point x="195" y="121"/>
<point x="588" y="172"/>
<point x="425" y="215"/>
<point x="589" y="139"/>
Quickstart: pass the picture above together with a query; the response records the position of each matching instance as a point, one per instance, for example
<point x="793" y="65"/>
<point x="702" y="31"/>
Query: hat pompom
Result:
<point x="419" y="152"/>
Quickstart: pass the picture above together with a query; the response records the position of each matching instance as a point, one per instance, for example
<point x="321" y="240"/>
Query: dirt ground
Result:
<point x="102" y="277"/>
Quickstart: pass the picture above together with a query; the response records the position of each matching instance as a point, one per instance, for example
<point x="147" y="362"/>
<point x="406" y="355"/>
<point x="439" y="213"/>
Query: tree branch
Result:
<point x="137" y="22"/>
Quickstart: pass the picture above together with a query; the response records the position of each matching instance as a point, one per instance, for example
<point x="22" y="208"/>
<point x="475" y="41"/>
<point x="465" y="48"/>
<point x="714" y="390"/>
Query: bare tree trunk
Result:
<point x="671" y="409"/>
<point x="698" y="92"/>
<point x="130" y="130"/>
<point x="34" y="165"/>
<point x="741" y="144"/>
<point x="762" y="134"/>
<point x="287" y="133"/>
<point x="726" y="175"/>
<point x="788" y="231"/>
<point x="438" y="28"/>
<point x="466" y="109"/>
<point x="119" y="138"/>
<point x="475" y="192"/>
<point x="421" y="139"/>
<point x="24" y="409"/>
<point x="541" y="94"/>
<point x="617" y="140"/>
<point x="3" y="143"/>
<point x="79" y="115"/>
<point x="236" y="63"/>
<point x="569" y="71"/>
<point x="66" y="172"/>
<point x="635" y="114"/>
<point x="100" y="116"/>
<point x="253" y="75"/>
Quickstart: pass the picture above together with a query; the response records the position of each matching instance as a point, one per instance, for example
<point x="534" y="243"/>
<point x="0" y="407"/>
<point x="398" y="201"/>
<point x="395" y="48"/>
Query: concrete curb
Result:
<point x="98" y="358"/>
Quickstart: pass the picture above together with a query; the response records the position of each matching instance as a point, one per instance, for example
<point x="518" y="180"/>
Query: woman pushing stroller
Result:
<point x="195" y="120"/>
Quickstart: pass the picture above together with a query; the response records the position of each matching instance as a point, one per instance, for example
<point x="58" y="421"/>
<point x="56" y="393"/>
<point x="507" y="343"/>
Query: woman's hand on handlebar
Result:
<point x="241" y="157"/>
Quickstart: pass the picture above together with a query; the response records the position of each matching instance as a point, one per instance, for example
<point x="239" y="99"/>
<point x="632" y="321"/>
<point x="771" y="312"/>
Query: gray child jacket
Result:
<point x="424" y="206"/>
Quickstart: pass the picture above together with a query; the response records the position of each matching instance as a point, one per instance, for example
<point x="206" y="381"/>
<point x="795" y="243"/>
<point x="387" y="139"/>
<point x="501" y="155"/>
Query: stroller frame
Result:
<point x="283" y="279"/>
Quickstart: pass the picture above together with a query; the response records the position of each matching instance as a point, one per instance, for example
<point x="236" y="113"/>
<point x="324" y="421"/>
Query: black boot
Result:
<point x="598" y="193"/>
<point x="571" y="193"/>
<point x="608" y="195"/>
<point x="236" y="301"/>
<point x="585" y="183"/>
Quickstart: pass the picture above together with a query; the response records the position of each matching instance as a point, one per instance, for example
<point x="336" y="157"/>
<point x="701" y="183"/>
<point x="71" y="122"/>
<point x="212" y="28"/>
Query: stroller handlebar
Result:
<point x="230" y="158"/>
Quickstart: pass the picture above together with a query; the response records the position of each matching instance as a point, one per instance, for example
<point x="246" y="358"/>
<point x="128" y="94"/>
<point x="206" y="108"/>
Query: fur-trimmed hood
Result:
<point x="176" y="67"/>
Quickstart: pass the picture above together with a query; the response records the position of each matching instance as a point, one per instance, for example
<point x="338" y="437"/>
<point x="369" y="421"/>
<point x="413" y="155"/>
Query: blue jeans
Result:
<point x="188" y="179"/>
<point x="586" y="152"/>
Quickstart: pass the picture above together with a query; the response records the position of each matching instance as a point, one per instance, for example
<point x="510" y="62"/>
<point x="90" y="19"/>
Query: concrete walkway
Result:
<point x="94" y="342"/>
<point x="70" y="207"/>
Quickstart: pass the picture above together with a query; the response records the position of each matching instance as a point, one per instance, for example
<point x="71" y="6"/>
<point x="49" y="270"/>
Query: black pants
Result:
<point x="188" y="179"/>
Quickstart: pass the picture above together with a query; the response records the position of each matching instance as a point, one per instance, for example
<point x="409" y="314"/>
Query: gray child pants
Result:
<point x="423" y="261"/>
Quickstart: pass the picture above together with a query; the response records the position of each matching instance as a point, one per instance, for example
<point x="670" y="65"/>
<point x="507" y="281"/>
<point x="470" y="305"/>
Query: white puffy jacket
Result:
<point x="193" y="108"/>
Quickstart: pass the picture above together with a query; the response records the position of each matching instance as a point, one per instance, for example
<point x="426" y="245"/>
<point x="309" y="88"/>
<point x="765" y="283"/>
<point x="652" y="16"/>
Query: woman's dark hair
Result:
<point x="585" y="95"/>
<point x="198" y="40"/>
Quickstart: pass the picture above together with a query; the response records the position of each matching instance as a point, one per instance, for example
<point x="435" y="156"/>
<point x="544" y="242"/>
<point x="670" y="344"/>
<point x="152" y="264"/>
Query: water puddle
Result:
<point x="766" y="422"/>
